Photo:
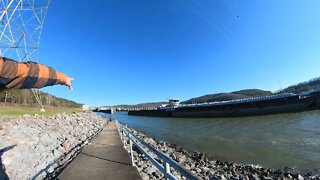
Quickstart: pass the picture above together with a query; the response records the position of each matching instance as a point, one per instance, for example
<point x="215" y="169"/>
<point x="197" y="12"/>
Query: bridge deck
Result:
<point x="103" y="158"/>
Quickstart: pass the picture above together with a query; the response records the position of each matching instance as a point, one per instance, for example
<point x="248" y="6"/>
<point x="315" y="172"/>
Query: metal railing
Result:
<point x="126" y="134"/>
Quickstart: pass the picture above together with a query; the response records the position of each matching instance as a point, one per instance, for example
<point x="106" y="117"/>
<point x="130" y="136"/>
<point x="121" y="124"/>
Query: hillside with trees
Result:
<point x="247" y="93"/>
<point x="303" y="87"/>
<point x="142" y="105"/>
<point x="25" y="97"/>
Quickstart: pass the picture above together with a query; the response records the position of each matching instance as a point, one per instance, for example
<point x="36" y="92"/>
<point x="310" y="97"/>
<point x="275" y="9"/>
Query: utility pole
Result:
<point x="280" y="85"/>
<point x="5" y="98"/>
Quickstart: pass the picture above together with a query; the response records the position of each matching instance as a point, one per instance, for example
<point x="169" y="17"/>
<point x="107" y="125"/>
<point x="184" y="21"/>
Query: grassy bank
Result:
<point x="21" y="110"/>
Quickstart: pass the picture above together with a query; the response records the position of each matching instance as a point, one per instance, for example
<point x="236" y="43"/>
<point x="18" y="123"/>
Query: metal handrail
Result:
<point x="127" y="134"/>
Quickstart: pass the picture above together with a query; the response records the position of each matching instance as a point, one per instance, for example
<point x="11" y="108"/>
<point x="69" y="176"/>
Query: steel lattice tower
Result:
<point x="21" y="23"/>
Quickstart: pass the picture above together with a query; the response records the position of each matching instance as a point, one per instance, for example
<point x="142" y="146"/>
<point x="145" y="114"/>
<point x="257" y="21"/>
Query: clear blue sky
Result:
<point x="127" y="52"/>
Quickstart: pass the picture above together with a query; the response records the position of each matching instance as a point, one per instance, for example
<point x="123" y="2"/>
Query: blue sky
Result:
<point x="127" y="52"/>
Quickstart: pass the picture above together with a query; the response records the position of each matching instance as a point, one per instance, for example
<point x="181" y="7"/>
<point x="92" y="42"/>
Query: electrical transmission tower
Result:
<point x="21" y="23"/>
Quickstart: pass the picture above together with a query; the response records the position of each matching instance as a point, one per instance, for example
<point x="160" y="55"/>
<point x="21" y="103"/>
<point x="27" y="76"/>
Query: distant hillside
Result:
<point x="26" y="97"/>
<point x="304" y="86"/>
<point x="247" y="93"/>
<point x="142" y="105"/>
<point x="207" y="98"/>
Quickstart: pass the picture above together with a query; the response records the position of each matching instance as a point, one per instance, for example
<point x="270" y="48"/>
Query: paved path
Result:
<point x="103" y="158"/>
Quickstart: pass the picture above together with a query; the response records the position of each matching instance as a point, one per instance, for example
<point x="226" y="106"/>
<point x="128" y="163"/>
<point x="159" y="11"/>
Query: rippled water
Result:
<point x="274" y="141"/>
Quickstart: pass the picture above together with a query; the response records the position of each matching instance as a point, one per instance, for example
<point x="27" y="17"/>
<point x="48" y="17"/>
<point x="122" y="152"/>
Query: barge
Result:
<point x="274" y="104"/>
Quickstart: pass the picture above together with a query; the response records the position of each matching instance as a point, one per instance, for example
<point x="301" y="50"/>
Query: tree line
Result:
<point x="303" y="86"/>
<point x="28" y="98"/>
<point x="310" y="85"/>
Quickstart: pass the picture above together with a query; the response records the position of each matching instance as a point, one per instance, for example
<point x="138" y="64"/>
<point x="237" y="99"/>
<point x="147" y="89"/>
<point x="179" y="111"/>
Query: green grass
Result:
<point x="20" y="110"/>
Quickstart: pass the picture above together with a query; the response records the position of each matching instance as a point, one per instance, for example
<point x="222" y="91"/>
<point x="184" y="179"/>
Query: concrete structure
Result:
<point x="103" y="158"/>
<point x="85" y="107"/>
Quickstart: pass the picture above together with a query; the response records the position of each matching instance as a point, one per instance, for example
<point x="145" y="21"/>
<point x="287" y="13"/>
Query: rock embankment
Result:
<point x="204" y="168"/>
<point x="35" y="147"/>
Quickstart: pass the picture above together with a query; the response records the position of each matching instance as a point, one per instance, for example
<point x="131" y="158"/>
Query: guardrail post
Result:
<point x="167" y="162"/>
<point x="167" y="169"/>
<point x="120" y="131"/>
<point x="131" y="152"/>
<point x="124" y="139"/>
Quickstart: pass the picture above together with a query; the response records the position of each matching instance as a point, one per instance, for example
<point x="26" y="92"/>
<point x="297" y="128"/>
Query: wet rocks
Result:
<point x="205" y="168"/>
<point x="37" y="146"/>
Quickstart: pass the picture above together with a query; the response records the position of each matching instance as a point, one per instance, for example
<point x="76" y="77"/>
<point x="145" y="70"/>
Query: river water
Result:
<point x="274" y="141"/>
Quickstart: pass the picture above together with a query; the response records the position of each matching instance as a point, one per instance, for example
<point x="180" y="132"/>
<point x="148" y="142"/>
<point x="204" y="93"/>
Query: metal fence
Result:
<point x="127" y="135"/>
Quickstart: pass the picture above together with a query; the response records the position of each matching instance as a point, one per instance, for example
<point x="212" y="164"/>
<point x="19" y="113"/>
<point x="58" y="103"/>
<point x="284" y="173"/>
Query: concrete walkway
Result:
<point x="103" y="158"/>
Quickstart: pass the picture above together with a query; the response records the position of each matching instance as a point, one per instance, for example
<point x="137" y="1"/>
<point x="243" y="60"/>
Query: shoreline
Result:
<point x="204" y="167"/>
<point x="40" y="147"/>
